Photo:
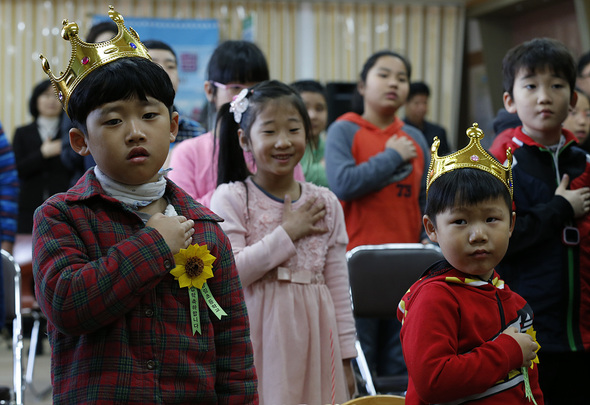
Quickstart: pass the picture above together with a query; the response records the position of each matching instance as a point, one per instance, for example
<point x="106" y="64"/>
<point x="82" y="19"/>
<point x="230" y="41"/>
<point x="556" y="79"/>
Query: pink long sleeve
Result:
<point x="194" y="168"/>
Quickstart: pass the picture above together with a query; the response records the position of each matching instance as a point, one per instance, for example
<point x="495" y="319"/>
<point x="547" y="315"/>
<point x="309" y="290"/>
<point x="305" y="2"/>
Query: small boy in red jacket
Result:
<point x="466" y="336"/>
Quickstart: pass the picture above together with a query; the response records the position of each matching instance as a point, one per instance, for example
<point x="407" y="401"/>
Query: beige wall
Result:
<point x="325" y="40"/>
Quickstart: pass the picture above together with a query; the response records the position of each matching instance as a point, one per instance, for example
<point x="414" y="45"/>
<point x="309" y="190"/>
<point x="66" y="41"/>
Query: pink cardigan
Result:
<point x="194" y="168"/>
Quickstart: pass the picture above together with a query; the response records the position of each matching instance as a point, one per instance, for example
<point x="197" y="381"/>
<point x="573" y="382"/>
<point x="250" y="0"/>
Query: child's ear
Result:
<point x="429" y="228"/>
<point x="509" y="103"/>
<point x="360" y="87"/>
<point x="512" y="222"/>
<point x="574" y="99"/>
<point x="173" y="126"/>
<point x="208" y="87"/>
<point x="243" y="140"/>
<point x="78" y="142"/>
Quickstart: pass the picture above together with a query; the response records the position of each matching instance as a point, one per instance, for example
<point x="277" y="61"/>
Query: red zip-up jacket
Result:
<point x="452" y="340"/>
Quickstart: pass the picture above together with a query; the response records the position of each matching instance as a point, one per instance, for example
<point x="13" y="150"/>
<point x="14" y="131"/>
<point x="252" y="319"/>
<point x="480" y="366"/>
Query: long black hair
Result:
<point x="232" y="165"/>
<point x="237" y="60"/>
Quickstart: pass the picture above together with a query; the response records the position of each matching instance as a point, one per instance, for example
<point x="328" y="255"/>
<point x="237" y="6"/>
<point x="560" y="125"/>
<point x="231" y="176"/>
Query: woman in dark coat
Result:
<point x="37" y="149"/>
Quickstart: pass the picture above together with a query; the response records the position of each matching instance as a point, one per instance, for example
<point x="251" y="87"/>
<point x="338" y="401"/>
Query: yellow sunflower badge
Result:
<point x="193" y="268"/>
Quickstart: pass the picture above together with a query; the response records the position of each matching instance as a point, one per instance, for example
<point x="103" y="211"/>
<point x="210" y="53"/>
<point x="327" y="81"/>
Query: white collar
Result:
<point x="135" y="196"/>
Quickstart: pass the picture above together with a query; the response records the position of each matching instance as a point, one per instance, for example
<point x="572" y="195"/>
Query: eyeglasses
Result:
<point x="233" y="86"/>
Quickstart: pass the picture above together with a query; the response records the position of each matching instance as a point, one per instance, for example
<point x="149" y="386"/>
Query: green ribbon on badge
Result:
<point x="194" y="304"/>
<point x="211" y="303"/>
<point x="527" y="386"/>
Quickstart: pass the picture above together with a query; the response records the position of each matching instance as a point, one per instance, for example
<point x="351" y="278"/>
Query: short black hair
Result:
<point x="418" y="88"/>
<point x="464" y="187"/>
<point x="37" y="91"/>
<point x="101" y="27"/>
<point x="156" y="44"/>
<point x="121" y="79"/>
<point x="539" y="53"/>
<point x="310" y="86"/>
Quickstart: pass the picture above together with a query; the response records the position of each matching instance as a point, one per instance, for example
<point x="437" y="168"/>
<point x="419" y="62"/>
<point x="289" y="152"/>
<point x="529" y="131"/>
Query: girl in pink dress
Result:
<point x="289" y="241"/>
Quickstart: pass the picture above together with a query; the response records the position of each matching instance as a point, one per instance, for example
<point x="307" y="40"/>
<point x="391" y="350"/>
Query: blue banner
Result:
<point x="193" y="42"/>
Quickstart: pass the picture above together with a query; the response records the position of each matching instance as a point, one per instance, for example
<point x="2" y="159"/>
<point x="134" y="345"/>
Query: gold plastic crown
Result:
<point x="472" y="156"/>
<point x="87" y="57"/>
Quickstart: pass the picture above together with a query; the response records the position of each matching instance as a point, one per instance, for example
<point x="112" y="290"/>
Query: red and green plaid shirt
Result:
<point x="118" y="323"/>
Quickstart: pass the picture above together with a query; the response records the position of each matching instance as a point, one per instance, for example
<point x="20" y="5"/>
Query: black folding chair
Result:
<point x="11" y="274"/>
<point x="22" y="380"/>
<point x="379" y="277"/>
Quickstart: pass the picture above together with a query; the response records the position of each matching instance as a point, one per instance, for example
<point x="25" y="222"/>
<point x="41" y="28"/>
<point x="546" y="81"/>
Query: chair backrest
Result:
<point x="377" y="400"/>
<point x="12" y="285"/>
<point x="381" y="274"/>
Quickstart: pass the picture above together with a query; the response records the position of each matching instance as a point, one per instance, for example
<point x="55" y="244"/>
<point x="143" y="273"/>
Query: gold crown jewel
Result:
<point x="87" y="57"/>
<point x="472" y="156"/>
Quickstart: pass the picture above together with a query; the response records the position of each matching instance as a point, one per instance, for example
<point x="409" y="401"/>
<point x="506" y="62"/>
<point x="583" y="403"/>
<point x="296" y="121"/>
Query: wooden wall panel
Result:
<point x="346" y="34"/>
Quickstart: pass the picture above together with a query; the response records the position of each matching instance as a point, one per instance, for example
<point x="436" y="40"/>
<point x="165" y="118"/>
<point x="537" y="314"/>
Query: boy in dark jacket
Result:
<point x="548" y="259"/>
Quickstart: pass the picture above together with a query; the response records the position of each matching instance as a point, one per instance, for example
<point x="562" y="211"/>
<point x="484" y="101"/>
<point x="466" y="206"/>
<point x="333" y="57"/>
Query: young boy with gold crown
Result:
<point x="466" y="337"/>
<point x="113" y="255"/>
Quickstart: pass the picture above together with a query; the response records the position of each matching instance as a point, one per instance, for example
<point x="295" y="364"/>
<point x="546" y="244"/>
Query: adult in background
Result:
<point x="416" y="111"/>
<point x="37" y="148"/>
<point x="164" y="55"/>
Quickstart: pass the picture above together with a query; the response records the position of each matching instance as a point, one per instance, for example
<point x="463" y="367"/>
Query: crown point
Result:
<point x="45" y="64"/>
<point x="475" y="132"/>
<point x="471" y="156"/>
<point x="69" y="30"/>
<point x="90" y="56"/>
<point x="115" y="16"/>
